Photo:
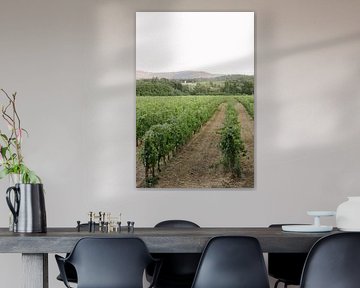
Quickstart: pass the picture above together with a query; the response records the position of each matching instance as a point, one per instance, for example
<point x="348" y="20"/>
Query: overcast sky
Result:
<point x="216" y="42"/>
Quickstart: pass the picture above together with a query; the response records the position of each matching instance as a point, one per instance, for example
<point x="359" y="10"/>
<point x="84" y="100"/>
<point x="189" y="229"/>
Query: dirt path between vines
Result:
<point x="198" y="164"/>
<point x="247" y="136"/>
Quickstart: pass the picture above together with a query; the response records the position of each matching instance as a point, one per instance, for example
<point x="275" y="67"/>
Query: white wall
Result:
<point x="73" y="66"/>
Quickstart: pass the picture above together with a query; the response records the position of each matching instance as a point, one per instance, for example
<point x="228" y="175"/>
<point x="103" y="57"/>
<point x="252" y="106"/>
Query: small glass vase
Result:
<point x="13" y="179"/>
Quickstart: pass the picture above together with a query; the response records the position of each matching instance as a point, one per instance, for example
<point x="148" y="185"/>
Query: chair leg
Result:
<point x="279" y="281"/>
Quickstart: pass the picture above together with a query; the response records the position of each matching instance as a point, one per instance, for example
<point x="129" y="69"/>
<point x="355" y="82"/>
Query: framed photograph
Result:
<point x="195" y="100"/>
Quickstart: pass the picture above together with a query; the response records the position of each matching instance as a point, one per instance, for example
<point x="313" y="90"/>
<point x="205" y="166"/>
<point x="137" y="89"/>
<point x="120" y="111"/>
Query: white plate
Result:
<point x="321" y="213"/>
<point x="306" y="228"/>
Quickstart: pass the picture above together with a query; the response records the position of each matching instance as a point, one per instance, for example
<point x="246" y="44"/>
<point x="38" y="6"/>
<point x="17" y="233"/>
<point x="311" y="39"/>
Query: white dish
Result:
<point x="306" y="228"/>
<point x="321" y="213"/>
<point x="350" y="229"/>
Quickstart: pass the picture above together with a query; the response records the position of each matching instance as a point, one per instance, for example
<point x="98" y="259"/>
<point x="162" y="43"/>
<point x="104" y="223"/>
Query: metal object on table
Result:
<point x="130" y="226"/>
<point x="28" y="208"/>
<point x="105" y="221"/>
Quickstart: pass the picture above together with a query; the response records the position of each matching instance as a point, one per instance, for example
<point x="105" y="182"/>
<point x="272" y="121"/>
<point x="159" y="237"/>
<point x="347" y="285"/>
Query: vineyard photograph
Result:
<point x="195" y="100"/>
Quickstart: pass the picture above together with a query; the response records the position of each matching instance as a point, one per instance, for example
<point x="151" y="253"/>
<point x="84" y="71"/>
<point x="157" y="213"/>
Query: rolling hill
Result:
<point x="179" y="75"/>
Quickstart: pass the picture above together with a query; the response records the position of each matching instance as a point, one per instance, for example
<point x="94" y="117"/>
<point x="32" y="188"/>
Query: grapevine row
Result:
<point x="231" y="144"/>
<point x="248" y="103"/>
<point x="161" y="109"/>
<point x="161" y="140"/>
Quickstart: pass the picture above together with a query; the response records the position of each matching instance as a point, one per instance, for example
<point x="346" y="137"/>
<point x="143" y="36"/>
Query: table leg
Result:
<point x="35" y="270"/>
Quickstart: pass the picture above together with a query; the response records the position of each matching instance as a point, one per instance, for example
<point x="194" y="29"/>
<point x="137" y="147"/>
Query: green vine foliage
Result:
<point x="231" y="145"/>
<point x="248" y="103"/>
<point x="163" y="139"/>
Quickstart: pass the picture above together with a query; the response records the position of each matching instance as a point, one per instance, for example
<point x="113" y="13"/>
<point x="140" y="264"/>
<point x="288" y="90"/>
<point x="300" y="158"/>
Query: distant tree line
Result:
<point x="165" y="87"/>
<point x="239" y="87"/>
<point x="158" y="87"/>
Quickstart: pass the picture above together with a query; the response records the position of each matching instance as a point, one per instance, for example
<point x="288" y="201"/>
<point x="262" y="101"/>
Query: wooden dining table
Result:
<point x="35" y="247"/>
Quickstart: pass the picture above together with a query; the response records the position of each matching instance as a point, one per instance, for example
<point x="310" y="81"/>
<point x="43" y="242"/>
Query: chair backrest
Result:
<point x="333" y="262"/>
<point x="110" y="262"/>
<point x="178" y="269"/>
<point x="176" y="224"/>
<point x="232" y="262"/>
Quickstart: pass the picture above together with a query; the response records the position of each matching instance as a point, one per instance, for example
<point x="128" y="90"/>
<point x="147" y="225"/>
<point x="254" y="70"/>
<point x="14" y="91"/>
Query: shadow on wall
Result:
<point x="306" y="102"/>
<point x="341" y="40"/>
